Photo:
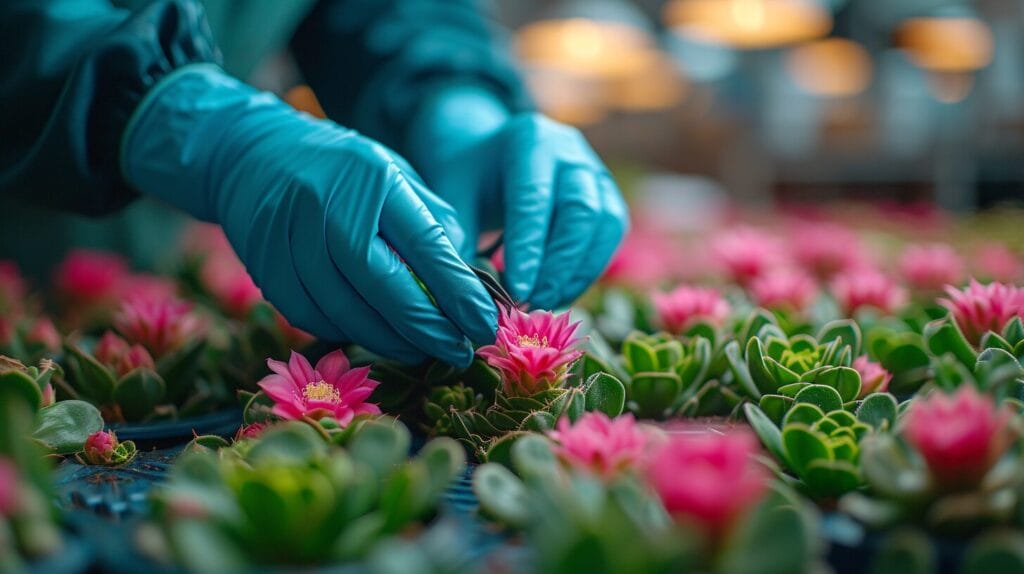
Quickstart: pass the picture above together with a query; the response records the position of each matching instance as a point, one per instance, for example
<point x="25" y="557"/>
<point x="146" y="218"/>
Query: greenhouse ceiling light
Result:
<point x="834" y="67"/>
<point x="946" y="44"/>
<point x="749" y="24"/>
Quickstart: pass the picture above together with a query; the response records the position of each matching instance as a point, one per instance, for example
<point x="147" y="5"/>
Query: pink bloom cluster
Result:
<point x="873" y="377"/>
<point x="120" y="356"/>
<point x="995" y="261"/>
<point x="599" y="444"/>
<point x="161" y="325"/>
<point x="533" y="351"/>
<point x="253" y="430"/>
<point x="866" y="287"/>
<point x="960" y="436"/>
<point x="979" y="308"/>
<point x="708" y="479"/>
<point x="644" y="260"/>
<point x="826" y="249"/>
<point x="931" y="267"/>
<point x="99" y="447"/>
<point x="89" y="276"/>
<point x="746" y="253"/>
<point x="332" y="389"/>
<point x="686" y="305"/>
<point x="784" y="289"/>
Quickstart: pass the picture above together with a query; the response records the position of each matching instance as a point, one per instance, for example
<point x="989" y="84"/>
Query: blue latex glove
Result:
<point x="538" y="180"/>
<point x="324" y="219"/>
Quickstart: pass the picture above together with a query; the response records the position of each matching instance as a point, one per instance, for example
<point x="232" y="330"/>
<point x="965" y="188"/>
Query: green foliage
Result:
<point x="575" y="522"/>
<point x="663" y="375"/>
<point x="293" y="500"/>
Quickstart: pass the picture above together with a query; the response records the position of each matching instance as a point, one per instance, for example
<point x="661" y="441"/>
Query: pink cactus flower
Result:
<point x="332" y="389"/>
<point x="248" y="431"/>
<point x="644" y="260"/>
<point x="995" y="261"/>
<point x="784" y="289"/>
<point x="146" y="286"/>
<point x="99" y="447"/>
<point x="867" y="287"/>
<point x="825" y="249"/>
<point x="979" y="308"/>
<point x="120" y="356"/>
<point x="229" y="283"/>
<point x="533" y="351"/>
<point x="44" y="334"/>
<point x="960" y="436"/>
<point x="686" y="305"/>
<point x="161" y="325"/>
<point x="90" y="276"/>
<point x="49" y="395"/>
<point x="599" y="444"/>
<point x="930" y="267"/>
<point x="710" y="479"/>
<point x="9" y="498"/>
<point x="873" y="377"/>
<point x="13" y="287"/>
<point x="746" y="253"/>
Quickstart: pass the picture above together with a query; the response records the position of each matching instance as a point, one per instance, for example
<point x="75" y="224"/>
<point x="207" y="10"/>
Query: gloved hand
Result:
<point x="325" y="220"/>
<point x="538" y="180"/>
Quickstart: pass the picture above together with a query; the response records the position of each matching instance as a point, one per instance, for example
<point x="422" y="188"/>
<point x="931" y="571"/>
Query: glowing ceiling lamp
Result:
<point x="749" y="24"/>
<point x="834" y="67"/>
<point x="595" y="39"/>
<point x="946" y="44"/>
<point x="659" y="85"/>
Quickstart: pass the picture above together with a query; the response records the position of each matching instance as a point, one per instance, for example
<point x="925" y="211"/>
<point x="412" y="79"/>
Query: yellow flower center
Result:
<point x="532" y="341"/>
<point x="321" y="391"/>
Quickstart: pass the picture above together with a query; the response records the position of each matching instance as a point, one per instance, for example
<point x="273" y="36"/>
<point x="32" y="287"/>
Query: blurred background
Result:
<point x="782" y="103"/>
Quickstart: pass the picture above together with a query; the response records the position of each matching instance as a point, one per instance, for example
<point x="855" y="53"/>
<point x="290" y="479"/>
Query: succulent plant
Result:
<point x="819" y="451"/>
<point x="575" y="521"/>
<point x="290" y="499"/>
<point x="665" y="376"/>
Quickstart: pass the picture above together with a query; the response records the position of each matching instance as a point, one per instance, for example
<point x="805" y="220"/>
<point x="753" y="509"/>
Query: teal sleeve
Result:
<point x="73" y="72"/>
<point x="373" y="63"/>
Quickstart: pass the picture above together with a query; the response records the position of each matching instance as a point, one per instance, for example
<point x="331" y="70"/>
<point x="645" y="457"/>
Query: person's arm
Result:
<point x="374" y="64"/>
<point x="73" y="72"/>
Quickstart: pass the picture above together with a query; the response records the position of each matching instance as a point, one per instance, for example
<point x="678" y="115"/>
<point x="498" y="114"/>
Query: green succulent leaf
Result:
<point x="845" y="331"/>
<point x="843" y="379"/>
<point x="739" y="370"/>
<point x="654" y="393"/>
<point x="638" y="355"/>
<point x="606" y="394"/>
<point x="501" y="494"/>
<point x="878" y="410"/>
<point x="770" y="435"/>
<point x="804" y="446"/>
<point x="824" y="397"/>
<point x="23" y="385"/>
<point x="138" y="393"/>
<point x="775" y="407"/>
<point x="91" y="379"/>
<point x="63" y="426"/>
<point x="995" y="551"/>
<point x="904" y="551"/>
<point x="944" y="336"/>
<point x="831" y="478"/>
<point x="805" y="413"/>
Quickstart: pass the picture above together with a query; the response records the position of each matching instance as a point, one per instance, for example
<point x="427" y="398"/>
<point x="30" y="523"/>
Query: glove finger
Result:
<point x="528" y="200"/>
<point x="614" y="224"/>
<point x="270" y="262"/>
<point x="577" y="218"/>
<point x="408" y="226"/>
<point x="445" y="214"/>
<point x="338" y="300"/>
<point x="383" y="281"/>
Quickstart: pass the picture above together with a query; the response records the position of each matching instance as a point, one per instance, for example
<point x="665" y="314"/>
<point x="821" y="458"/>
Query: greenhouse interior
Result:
<point x="512" y="286"/>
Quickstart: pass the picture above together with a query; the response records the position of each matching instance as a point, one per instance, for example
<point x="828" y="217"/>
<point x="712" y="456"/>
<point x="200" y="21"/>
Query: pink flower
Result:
<point x="144" y="285"/>
<point x="90" y="276"/>
<point x="43" y="333"/>
<point x="161" y="325"/>
<point x="979" y="308"/>
<point x="532" y="351"/>
<point x="784" y="289"/>
<point x="253" y="430"/>
<point x="601" y="445"/>
<point x="644" y="260"/>
<point x="122" y="358"/>
<point x="332" y="389"/>
<point x="930" y="267"/>
<point x="49" y="395"/>
<point x="99" y="447"/>
<point x="826" y="249"/>
<point x="873" y="377"/>
<point x="680" y="308"/>
<point x="710" y="479"/>
<point x="995" y="261"/>
<point x="13" y="287"/>
<point x="746" y="253"/>
<point x="9" y="498"/>
<point x="226" y="279"/>
<point x="867" y="287"/>
<point x="960" y="436"/>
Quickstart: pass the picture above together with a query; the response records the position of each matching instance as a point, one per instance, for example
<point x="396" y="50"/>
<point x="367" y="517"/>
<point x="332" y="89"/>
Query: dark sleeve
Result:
<point x="371" y="62"/>
<point x="71" y="75"/>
